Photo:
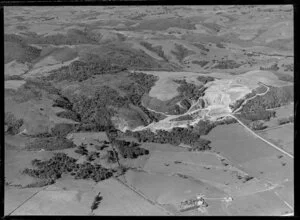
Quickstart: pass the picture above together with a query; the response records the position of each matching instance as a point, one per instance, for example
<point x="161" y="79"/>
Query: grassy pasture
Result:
<point x="237" y="144"/>
<point x="265" y="77"/>
<point x="169" y="189"/>
<point x="165" y="88"/>
<point x="272" y="169"/>
<point x="265" y="203"/>
<point x="282" y="136"/>
<point x="39" y="116"/>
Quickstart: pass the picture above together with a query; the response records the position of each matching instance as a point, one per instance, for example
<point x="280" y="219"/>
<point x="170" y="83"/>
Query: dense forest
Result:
<point x="94" y="114"/>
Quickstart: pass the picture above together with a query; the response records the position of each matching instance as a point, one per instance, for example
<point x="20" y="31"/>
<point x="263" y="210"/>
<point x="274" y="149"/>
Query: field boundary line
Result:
<point x="143" y="196"/>
<point x="34" y="194"/>
<point x="285" y="202"/>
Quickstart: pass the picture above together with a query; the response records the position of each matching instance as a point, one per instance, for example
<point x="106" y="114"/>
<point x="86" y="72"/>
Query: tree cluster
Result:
<point x="90" y="156"/>
<point x="62" y="102"/>
<point x="60" y="163"/>
<point x="257" y="114"/>
<point x="142" y="85"/>
<point x="157" y="49"/>
<point x="12" y="77"/>
<point x="288" y="67"/>
<point x="205" y="79"/>
<point x="227" y="64"/>
<point x="69" y="115"/>
<point x="175" y="137"/>
<point x="201" y="63"/>
<point x="95" y="172"/>
<point x="275" y="97"/>
<point x="227" y="120"/>
<point x="102" y="146"/>
<point x="286" y="120"/>
<point x="112" y="156"/>
<point x="181" y="52"/>
<point x="147" y="81"/>
<point x="219" y="45"/>
<point x="62" y="129"/>
<point x="239" y="102"/>
<point x="129" y="149"/>
<point x="81" y="150"/>
<point x="274" y="67"/>
<point x="258" y="125"/>
<point x="284" y="77"/>
<point x="201" y="47"/>
<point x="95" y="113"/>
<point x="12" y="124"/>
<point x="213" y="26"/>
<point x="203" y="127"/>
<point x="40" y="183"/>
<point x="189" y="90"/>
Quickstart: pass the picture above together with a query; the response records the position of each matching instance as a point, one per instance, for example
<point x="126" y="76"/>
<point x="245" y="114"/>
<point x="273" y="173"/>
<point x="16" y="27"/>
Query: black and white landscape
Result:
<point x="149" y="110"/>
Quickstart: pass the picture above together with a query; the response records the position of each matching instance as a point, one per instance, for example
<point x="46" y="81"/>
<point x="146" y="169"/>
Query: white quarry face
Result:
<point x="222" y="93"/>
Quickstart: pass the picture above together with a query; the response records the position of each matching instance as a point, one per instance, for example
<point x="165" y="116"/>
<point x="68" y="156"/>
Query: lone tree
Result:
<point x="96" y="202"/>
